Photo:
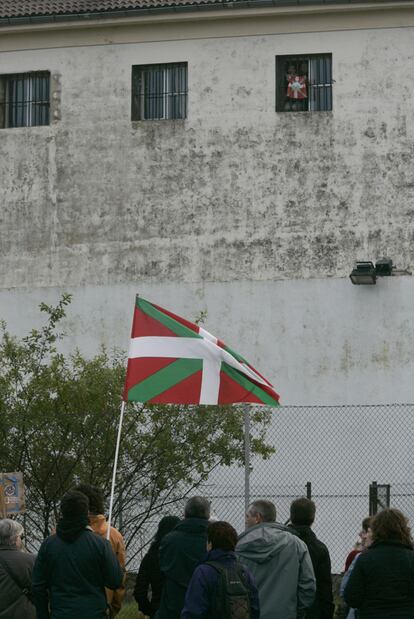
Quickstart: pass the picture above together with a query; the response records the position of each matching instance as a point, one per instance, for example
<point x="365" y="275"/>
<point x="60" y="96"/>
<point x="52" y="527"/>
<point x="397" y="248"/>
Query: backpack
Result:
<point x="232" y="599"/>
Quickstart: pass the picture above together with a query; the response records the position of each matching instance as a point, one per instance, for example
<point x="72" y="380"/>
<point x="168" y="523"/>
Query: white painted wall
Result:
<point x="318" y="341"/>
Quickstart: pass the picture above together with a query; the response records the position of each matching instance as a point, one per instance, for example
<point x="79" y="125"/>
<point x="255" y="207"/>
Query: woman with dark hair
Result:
<point x="381" y="585"/>
<point x="148" y="585"/>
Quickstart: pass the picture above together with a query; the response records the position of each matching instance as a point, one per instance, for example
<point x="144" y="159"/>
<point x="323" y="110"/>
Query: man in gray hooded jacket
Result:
<point x="279" y="562"/>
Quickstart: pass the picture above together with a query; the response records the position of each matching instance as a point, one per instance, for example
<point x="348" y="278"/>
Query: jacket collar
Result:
<point x="220" y="555"/>
<point x="390" y="542"/>
<point x="265" y="525"/>
<point x="192" y="525"/>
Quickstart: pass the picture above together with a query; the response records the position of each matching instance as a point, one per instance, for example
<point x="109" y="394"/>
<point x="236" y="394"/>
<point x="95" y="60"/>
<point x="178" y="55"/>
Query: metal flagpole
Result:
<point x="246" y="456"/>
<point x="118" y="440"/>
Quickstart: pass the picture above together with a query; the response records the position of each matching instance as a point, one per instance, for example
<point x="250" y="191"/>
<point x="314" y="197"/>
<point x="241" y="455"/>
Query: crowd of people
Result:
<point x="200" y="568"/>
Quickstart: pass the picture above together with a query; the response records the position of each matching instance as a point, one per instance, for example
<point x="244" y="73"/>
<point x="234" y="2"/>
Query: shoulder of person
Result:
<point x="299" y="543"/>
<point x="116" y="535"/>
<point x="95" y="539"/>
<point x="50" y="541"/>
<point x="28" y="558"/>
<point x="18" y="557"/>
<point x="321" y="546"/>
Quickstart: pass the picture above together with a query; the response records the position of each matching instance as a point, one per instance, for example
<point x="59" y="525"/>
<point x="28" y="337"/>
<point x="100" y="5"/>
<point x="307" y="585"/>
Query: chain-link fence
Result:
<point x="333" y="453"/>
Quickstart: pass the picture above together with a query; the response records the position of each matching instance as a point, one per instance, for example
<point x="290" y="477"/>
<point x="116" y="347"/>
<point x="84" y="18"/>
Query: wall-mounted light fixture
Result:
<point x="365" y="273"/>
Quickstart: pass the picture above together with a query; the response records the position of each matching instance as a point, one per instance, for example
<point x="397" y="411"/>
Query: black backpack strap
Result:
<point x="232" y="593"/>
<point x="218" y="610"/>
<point x="24" y="591"/>
<point x="240" y="569"/>
<point x="218" y="566"/>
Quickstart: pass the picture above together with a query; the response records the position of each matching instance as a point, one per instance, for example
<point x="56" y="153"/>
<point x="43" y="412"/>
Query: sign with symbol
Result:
<point x="11" y="494"/>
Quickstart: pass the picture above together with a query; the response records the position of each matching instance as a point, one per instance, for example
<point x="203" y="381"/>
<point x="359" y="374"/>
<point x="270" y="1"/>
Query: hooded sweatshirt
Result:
<point x="281" y="567"/>
<point x="99" y="525"/>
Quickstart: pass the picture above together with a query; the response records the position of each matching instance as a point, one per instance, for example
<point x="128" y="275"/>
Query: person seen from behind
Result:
<point x="180" y="552"/>
<point x="352" y="613"/>
<point x="16" y="567"/>
<point x="279" y="562"/>
<point x="221" y="587"/>
<point x="302" y="516"/>
<point x="148" y="585"/>
<point x="381" y="584"/>
<point x="99" y="525"/>
<point x="363" y="536"/>
<point x="74" y="566"/>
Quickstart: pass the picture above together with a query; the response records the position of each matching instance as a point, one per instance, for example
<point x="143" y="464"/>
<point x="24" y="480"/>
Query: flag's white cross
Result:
<point x="204" y="348"/>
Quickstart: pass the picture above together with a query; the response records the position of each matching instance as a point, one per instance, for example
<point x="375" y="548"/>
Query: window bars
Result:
<point x="159" y="91"/>
<point x="26" y="99"/>
<point x="304" y="83"/>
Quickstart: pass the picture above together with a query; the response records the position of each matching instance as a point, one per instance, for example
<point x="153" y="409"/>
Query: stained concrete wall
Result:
<point x="254" y="216"/>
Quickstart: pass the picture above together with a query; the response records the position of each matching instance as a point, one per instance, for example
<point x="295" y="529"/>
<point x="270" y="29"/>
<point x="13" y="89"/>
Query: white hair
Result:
<point x="10" y="530"/>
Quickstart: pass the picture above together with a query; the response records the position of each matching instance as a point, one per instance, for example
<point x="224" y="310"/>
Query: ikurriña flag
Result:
<point x="173" y="361"/>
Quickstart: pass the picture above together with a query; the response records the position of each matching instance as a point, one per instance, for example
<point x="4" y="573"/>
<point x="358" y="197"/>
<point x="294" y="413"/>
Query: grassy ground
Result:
<point x="130" y="611"/>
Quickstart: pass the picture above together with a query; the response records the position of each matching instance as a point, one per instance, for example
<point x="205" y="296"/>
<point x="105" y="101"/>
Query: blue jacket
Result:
<point x="69" y="577"/>
<point x="202" y="587"/>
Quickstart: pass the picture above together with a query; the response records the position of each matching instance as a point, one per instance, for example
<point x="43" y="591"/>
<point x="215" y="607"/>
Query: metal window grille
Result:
<point x="159" y="91"/>
<point x="316" y="71"/>
<point x="26" y="101"/>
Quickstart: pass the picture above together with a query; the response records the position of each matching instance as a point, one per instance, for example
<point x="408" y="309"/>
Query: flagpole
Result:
<point x="246" y="411"/>
<point x="118" y="441"/>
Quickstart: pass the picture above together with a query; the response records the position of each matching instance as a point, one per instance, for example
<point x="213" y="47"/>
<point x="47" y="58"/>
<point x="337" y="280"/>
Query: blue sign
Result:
<point x="11" y="493"/>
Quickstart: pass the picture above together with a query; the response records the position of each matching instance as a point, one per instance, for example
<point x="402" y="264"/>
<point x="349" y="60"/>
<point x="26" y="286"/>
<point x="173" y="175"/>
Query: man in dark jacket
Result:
<point x="74" y="566"/>
<point x="15" y="573"/>
<point x="180" y="552"/>
<point x="203" y="599"/>
<point x="302" y="516"/>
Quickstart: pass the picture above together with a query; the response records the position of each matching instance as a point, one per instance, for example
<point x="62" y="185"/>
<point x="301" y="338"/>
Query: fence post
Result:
<point x="388" y="494"/>
<point x="373" y="498"/>
<point x="308" y="489"/>
<point x="246" y="411"/>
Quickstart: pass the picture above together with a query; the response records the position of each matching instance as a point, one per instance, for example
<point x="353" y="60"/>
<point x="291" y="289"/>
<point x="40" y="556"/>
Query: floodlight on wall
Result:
<point x="383" y="267"/>
<point x="365" y="273"/>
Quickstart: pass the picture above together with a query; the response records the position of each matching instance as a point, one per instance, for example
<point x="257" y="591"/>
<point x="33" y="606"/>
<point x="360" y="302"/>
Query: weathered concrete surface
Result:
<point x="234" y="192"/>
<point x="245" y="213"/>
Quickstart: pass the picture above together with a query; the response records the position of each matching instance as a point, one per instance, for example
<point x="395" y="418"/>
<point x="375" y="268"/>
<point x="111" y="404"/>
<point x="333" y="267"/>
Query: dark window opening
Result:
<point x="25" y="99"/>
<point x="159" y="91"/>
<point x="304" y="83"/>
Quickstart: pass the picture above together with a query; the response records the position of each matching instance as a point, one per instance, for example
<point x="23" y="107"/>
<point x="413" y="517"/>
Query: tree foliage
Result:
<point x="58" y="423"/>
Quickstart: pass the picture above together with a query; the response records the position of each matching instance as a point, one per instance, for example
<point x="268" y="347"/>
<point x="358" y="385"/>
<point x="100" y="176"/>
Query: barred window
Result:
<point x="304" y="83"/>
<point x="159" y="91"/>
<point x="25" y="99"/>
